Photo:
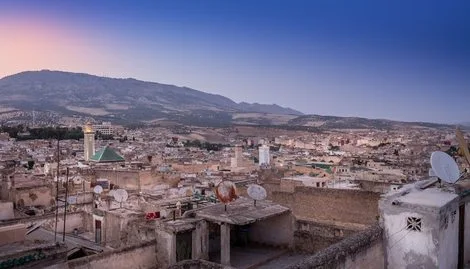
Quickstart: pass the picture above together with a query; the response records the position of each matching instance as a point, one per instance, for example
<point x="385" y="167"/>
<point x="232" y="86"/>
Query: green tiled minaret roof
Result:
<point x="106" y="155"/>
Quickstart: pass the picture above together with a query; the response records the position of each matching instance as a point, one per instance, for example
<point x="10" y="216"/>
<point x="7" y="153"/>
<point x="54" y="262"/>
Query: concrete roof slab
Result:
<point x="242" y="211"/>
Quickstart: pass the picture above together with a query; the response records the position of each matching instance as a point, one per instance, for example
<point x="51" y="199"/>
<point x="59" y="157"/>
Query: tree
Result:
<point x="30" y="164"/>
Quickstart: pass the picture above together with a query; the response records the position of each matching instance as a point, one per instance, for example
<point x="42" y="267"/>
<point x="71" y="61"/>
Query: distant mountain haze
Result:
<point x="130" y="100"/>
<point x="77" y="92"/>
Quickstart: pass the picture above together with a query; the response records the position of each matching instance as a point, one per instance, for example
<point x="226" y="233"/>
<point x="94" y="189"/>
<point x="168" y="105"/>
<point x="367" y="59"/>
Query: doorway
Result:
<point x="98" y="231"/>
<point x="461" y="235"/>
<point x="184" y="246"/>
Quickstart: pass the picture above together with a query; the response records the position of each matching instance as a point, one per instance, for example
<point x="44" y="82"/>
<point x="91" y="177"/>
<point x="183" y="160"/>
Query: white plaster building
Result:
<point x="421" y="228"/>
<point x="89" y="142"/>
<point x="236" y="161"/>
<point x="105" y="128"/>
<point x="264" y="156"/>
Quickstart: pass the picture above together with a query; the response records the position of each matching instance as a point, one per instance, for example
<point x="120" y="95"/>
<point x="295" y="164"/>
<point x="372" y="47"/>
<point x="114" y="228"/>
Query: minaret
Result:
<point x="89" y="141"/>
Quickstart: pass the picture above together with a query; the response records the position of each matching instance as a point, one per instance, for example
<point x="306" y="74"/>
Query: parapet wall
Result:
<point x="358" y="251"/>
<point x="198" y="264"/>
<point x="137" y="256"/>
<point x="331" y="205"/>
<point x="311" y="237"/>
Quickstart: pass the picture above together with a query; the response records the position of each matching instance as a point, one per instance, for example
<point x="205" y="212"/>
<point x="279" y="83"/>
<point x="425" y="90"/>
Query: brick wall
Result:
<point x="128" y="180"/>
<point x="330" y="205"/>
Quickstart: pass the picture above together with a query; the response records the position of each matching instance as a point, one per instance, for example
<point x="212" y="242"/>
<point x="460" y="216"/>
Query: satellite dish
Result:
<point x="256" y="192"/>
<point x="98" y="189"/>
<point x="120" y="195"/>
<point x="432" y="173"/>
<point x="111" y="192"/>
<point x="445" y="167"/>
<point x="226" y="192"/>
<point x="71" y="200"/>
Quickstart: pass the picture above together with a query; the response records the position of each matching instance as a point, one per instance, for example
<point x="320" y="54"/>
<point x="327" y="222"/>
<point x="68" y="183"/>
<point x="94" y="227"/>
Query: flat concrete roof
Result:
<point x="241" y="211"/>
<point x="180" y="225"/>
<point x="432" y="197"/>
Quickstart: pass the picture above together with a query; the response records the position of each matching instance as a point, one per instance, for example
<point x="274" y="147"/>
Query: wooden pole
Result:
<point x="66" y="197"/>
<point x="57" y="190"/>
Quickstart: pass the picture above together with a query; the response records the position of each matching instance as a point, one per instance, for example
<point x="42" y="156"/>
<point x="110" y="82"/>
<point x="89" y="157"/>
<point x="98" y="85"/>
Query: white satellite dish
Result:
<point x="256" y="192"/>
<point x="432" y="173"/>
<point x="445" y="167"/>
<point x="71" y="200"/>
<point x="120" y="195"/>
<point x="111" y="193"/>
<point x="98" y="189"/>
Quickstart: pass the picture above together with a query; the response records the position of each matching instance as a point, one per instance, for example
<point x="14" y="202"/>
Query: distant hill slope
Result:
<point x="133" y="101"/>
<point x="120" y="98"/>
<point x="333" y="122"/>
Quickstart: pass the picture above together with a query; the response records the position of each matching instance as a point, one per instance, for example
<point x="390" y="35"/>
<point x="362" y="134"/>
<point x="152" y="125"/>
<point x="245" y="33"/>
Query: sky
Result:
<point x="401" y="60"/>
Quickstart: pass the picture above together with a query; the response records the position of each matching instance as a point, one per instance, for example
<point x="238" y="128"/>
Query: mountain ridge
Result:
<point x="123" y="98"/>
<point x="128" y="100"/>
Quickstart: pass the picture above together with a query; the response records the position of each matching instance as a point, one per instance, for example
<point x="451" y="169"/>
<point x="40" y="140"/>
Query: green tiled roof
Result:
<point x="106" y="154"/>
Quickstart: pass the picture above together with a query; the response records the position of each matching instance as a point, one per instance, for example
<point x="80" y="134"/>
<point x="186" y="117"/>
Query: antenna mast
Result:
<point x="57" y="189"/>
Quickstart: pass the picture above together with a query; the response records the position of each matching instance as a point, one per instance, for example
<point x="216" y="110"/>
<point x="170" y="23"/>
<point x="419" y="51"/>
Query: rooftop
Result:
<point x="106" y="154"/>
<point x="431" y="197"/>
<point x="242" y="211"/>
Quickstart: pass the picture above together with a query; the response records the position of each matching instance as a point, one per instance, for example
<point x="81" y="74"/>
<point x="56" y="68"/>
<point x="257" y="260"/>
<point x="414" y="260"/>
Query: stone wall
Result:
<point x="198" y="264"/>
<point x="127" y="179"/>
<point x="358" y="251"/>
<point x="12" y="233"/>
<point x="276" y="231"/>
<point x="331" y="205"/>
<point x="311" y="237"/>
<point x="34" y="256"/>
<point x="33" y="196"/>
<point x="137" y="256"/>
<point x="6" y="211"/>
<point x="375" y="186"/>
<point x="73" y="221"/>
<point x="166" y="248"/>
<point x="146" y="178"/>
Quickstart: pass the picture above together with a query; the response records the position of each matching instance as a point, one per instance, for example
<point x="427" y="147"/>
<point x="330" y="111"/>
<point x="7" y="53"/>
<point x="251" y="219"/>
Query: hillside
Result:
<point x="125" y="99"/>
<point x="130" y="101"/>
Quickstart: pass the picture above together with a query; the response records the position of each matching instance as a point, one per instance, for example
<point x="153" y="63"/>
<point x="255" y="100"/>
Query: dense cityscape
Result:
<point x="60" y="190"/>
<point x="210" y="134"/>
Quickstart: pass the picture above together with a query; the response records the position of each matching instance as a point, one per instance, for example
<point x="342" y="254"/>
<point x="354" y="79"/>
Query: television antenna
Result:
<point x="226" y="192"/>
<point x="256" y="192"/>
<point x="445" y="167"/>
<point x="120" y="195"/>
<point x="463" y="145"/>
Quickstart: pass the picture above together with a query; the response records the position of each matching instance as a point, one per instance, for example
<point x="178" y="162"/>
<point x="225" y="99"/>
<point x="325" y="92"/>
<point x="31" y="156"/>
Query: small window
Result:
<point x="413" y="224"/>
<point x="452" y="215"/>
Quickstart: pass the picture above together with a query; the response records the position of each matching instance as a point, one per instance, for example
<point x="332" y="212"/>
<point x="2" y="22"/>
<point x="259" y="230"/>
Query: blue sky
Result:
<point x="403" y="60"/>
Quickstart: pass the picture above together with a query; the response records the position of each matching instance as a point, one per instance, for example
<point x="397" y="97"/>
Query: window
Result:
<point x="413" y="224"/>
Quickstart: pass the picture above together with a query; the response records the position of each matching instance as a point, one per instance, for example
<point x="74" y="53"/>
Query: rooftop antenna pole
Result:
<point x="57" y="190"/>
<point x="66" y="197"/>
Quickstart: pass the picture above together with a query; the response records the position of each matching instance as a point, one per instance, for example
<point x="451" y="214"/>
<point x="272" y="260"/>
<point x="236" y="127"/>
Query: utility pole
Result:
<point x="66" y="201"/>
<point x="57" y="189"/>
